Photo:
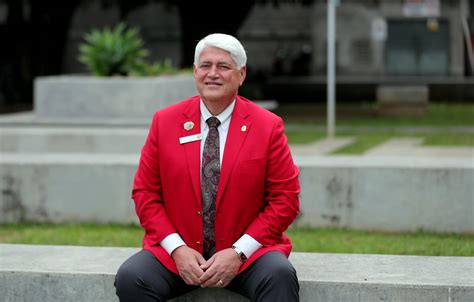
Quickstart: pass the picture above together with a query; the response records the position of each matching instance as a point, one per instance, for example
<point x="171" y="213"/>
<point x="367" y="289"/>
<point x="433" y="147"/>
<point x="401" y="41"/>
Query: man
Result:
<point x="215" y="189"/>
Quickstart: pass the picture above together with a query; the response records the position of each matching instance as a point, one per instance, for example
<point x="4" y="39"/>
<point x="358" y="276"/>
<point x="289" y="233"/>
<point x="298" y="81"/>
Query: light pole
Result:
<point x="331" y="67"/>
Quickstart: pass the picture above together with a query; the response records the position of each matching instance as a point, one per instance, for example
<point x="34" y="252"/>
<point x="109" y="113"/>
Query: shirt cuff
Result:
<point x="172" y="242"/>
<point x="247" y="245"/>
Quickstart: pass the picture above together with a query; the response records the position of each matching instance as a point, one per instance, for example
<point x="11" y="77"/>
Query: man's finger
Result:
<point x="213" y="282"/>
<point x="207" y="263"/>
<point x="197" y="272"/>
<point x="187" y="280"/>
<point x="200" y="259"/>
<point x="206" y="276"/>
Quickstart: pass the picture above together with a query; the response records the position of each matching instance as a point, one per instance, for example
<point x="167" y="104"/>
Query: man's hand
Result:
<point x="220" y="269"/>
<point x="188" y="262"/>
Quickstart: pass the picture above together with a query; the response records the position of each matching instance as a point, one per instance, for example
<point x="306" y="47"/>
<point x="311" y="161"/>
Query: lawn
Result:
<point x="304" y="240"/>
<point x="443" y="125"/>
<point x="364" y="115"/>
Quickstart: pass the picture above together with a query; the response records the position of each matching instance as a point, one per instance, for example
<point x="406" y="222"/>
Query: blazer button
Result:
<point x="199" y="213"/>
<point x="198" y="242"/>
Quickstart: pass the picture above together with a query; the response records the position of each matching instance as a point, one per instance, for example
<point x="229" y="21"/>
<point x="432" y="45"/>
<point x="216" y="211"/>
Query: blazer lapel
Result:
<point x="238" y="129"/>
<point x="192" y="149"/>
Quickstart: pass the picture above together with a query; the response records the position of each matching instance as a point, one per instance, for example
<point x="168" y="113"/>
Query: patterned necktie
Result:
<point x="209" y="182"/>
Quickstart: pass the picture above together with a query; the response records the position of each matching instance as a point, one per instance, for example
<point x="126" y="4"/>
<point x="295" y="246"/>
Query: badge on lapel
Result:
<point x="188" y="126"/>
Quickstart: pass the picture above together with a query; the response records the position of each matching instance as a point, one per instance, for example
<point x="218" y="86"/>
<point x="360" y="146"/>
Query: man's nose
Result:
<point x="213" y="72"/>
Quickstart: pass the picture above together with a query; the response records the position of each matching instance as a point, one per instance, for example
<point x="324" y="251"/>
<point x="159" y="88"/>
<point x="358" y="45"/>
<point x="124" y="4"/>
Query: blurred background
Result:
<point x="397" y="179"/>
<point x="418" y="42"/>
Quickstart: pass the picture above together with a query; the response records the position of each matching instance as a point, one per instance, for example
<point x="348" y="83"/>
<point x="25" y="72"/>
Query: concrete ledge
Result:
<point x="387" y="193"/>
<point x="109" y="97"/>
<point x="66" y="273"/>
<point x="402" y="100"/>
<point x="56" y="139"/>
<point x="382" y="193"/>
<point x="60" y="188"/>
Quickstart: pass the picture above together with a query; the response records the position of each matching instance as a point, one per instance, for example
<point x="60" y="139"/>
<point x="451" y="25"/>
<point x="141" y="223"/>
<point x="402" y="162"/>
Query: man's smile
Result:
<point x="212" y="84"/>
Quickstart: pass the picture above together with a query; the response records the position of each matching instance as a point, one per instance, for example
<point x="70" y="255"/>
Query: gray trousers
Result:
<point x="143" y="278"/>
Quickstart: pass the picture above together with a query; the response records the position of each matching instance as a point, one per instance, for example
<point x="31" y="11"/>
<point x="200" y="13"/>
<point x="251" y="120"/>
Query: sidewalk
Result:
<point x="393" y="147"/>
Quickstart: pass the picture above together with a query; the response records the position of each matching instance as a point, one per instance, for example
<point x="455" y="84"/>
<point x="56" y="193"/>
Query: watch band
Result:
<point x="240" y="254"/>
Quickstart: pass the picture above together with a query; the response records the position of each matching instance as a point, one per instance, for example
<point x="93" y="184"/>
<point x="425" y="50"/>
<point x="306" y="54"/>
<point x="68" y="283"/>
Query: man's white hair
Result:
<point x="225" y="42"/>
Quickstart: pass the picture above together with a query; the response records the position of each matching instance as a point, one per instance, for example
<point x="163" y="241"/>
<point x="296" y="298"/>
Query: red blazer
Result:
<point x="258" y="187"/>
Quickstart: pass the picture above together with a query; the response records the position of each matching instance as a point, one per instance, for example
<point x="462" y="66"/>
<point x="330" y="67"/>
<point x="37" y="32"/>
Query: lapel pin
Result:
<point x="188" y="126"/>
<point x="244" y="128"/>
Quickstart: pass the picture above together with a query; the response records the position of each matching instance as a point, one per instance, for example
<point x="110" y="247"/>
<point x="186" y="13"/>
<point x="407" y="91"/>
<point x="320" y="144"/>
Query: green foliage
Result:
<point x="119" y="51"/>
<point x="153" y="69"/>
<point x="112" y="51"/>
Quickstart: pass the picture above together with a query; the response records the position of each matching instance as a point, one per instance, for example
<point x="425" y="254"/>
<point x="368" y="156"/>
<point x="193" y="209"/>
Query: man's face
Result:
<point x="217" y="76"/>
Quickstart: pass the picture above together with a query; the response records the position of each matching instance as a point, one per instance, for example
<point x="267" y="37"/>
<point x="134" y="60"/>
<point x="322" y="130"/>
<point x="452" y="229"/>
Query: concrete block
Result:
<point x="387" y="193"/>
<point x="108" y="97"/>
<point x="67" y="273"/>
<point x="398" y="100"/>
<point x="62" y="188"/>
<point x="380" y="193"/>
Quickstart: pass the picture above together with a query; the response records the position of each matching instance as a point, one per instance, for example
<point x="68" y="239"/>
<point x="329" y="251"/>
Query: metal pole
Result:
<point x="331" y="70"/>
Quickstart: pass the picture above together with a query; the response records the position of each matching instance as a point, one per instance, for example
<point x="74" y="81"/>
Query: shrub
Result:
<point x="115" y="51"/>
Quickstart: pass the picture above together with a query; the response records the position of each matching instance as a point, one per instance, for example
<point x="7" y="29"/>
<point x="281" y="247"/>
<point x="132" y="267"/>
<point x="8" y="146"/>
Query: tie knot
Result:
<point x="213" y="122"/>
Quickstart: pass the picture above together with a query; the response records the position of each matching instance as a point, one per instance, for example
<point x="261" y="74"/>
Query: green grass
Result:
<point x="363" y="143"/>
<point x="437" y="115"/>
<point x="369" y="130"/>
<point x="364" y="115"/>
<point x="449" y="139"/>
<point x="350" y="241"/>
<point x="304" y="240"/>
<point x="366" y="141"/>
<point x="72" y="234"/>
<point x="304" y="137"/>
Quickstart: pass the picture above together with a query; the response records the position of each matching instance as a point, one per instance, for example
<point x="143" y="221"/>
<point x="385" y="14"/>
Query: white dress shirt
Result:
<point x="246" y="243"/>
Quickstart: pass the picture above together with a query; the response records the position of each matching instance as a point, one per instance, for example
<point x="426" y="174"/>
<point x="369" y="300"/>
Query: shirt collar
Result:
<point x="223" y="117"/>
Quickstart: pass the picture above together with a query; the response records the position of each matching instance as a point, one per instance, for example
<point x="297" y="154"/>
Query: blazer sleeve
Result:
<point x="147" y="190"/>
<point x="281" y="191"/>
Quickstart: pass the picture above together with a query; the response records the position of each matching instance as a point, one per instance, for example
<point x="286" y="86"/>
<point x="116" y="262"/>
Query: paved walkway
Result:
<point x="393" y="147"/>
<point x="414" y="147"/>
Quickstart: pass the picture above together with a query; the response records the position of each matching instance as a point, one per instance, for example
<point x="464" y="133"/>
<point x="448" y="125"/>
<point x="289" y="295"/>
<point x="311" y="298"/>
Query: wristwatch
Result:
<point x="240" y="254"/>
